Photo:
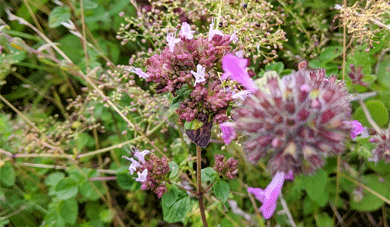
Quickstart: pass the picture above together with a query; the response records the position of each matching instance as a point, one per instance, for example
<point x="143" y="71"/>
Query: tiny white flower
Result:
<point x="239" y="54"/>
<point x="186" y="31"/>
<point x="142" y="176"/>
<point x="138" y="71"/>
<point x="233" y="37"/>
<point x="338" y="7"/>
<point x="199" y="75"/>
<point x="141" y="155"/>
<point x="171" y="39"/>
<point x="213" y="31"/>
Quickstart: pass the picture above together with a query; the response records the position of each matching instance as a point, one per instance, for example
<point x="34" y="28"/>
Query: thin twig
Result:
<point x="366" y="188"/>
<point x="285" y="208"/>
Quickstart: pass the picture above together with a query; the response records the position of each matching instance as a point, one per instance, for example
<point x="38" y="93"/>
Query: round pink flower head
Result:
<point x="295" y="121"/>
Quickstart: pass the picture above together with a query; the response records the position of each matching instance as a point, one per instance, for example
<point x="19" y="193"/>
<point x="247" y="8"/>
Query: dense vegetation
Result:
<point x="153" y="112"/>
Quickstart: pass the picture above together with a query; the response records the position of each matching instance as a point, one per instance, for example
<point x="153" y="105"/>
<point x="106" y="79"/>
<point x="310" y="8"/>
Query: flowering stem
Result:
<point x="199" y="178"/>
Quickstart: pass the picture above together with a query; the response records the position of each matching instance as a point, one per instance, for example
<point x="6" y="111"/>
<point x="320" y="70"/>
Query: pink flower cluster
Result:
<point x="152" y="171"/>
<point x="192" y="61"/>
<point x="226" y="168"/>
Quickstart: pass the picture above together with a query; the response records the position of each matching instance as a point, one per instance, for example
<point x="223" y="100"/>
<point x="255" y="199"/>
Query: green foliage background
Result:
<point x="61" y="141"/>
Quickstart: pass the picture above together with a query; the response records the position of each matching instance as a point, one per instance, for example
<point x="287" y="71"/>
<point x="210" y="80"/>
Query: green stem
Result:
<point x="199" y="181"/>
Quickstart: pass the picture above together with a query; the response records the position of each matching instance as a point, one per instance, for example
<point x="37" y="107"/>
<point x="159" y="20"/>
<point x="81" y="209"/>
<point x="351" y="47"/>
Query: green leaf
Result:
<point x="384" y="72"/>
<point x="119" y="6"/>
<point x="54" y="178"/>
<point x="221" y="190"/>
<point x="169" y="198"/>
<point x="88" y="4"/>
<point x="315" y="185"/>
<point x="7" y="174"/>
<point x="330" y="53"/>
<point x="370" y="202"/>
<point x="106" y="215"/>
<point x="381" y="167"/>
<point x="66" y="189"/>
<point x="58" y="15"/>
<point x="323" y="220"/>
<point x="315" y="64"/>
<point x="174" y="168"/>
<point x="181" y="94"/>
<point x="177" y="211"/>
<point x="68" y="209"/>
<point x="377" y="110"/>
<point x="90" y="190"/>
<point x="124" y="180"/>
<point x="208" y="174"/>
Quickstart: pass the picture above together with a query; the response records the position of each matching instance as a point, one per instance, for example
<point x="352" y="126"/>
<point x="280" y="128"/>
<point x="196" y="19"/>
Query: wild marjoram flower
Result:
<point x="171" y="39"/>
<point x="213" y="31"/>
<point x="199" y="74"/>
<point x="186" y="31"/>
<point x="189" y="70"/>
<point x="152" y="171"/>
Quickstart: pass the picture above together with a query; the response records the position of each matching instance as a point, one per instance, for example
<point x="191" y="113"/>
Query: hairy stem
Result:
<point x="199" y="181"/>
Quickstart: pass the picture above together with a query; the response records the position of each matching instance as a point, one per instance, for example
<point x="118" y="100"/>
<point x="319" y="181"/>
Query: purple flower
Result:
<point x="139" y="72"/>
<point x="234" y="68"/>
<point x="269" y="196"/>
<point x="357" y="128"/>
<point x="228" y="133"/>
<point x="141" y="155"/>
<point x="142" y="176"/>
<point x="134" y="164"/>
<point x="199" y="75"/>
<point x="213" y="31"/>
<point x="186" y="31"/>
<point x="171" y="39"/>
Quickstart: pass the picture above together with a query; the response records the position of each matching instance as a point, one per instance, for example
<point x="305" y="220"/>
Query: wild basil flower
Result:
<point x="186" y="31"/>
<point x="296" y="121"/>
<point x="269" y="196"/>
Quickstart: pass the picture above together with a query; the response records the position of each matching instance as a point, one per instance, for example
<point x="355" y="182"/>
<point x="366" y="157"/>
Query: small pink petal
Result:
<point x="234" y="68"/>
<point x="357" y="128"/>
<point x="270" y="195"/>
<point x="228" y="133"/>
